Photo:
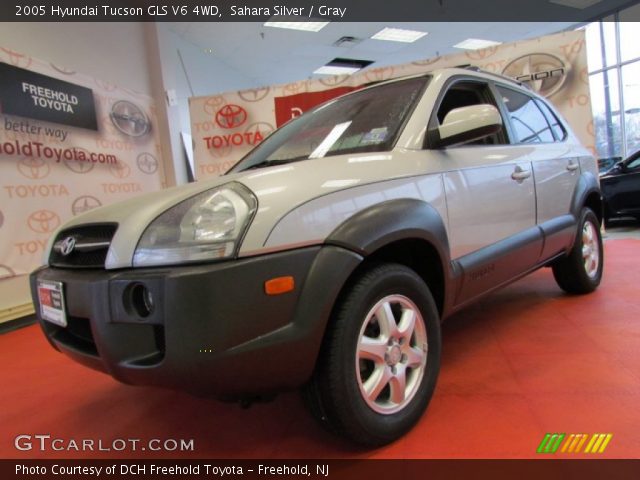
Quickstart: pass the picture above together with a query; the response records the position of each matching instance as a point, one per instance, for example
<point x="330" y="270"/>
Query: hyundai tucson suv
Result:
<point x="327" y="258"/>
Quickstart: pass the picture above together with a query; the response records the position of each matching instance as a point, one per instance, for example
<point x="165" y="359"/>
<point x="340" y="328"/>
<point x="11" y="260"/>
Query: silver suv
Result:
<point x="328" y="257"/>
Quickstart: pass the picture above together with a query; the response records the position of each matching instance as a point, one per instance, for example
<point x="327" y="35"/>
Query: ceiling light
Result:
<point x="328" y="70"/>
<point x="342" y="66"/>
<point x="580" y="4"/>
<point x="399" y="35"/>
<point x="306" y="26"/>
<point x="475" y="44"/>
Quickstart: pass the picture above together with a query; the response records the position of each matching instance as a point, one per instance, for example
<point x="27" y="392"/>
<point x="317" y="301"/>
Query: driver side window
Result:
<point x="464" y="94"/>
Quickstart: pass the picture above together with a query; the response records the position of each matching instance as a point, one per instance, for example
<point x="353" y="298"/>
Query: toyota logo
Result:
<point x="295" y="88"/>
<point x="106" y="86"/>
<point x="263" y="128"/>
<point x="379" y="74"/>
<point x="67" y="245"/>
<point x="43" y="221"/>
<point x="231" y="116"/>
<point x="147" y="163"/>
<point x="546" y="74"/>
<point x="33" y="168"/>
<point x="63" y="70"/>
<point x="120" y="170"/>
<point x="426" y="62"/>
<point x="254" y="94"/>
<point x="84" y="203"/>
<point x="79" y="166"/>
<point x="129" y="119"/>
<point x="212" y="104"/>
<point x="334" y="80"/>
<point x="481" y="53"/>
<point x="17" y="59"/>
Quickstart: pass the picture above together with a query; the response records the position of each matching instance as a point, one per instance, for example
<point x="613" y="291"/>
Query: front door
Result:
<point x="490" y="195"/>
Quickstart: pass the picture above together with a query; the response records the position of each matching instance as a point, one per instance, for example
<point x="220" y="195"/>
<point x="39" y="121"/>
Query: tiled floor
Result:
<point x="522" y="362"/>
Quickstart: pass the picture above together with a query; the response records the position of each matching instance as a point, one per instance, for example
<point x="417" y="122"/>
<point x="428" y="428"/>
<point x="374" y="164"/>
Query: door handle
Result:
<point x="520" y="175"/>
<point x="572" y="166"/>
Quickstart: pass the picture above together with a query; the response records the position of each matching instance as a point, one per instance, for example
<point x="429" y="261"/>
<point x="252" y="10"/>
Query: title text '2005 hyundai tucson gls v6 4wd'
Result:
<point x="328" y="256"/>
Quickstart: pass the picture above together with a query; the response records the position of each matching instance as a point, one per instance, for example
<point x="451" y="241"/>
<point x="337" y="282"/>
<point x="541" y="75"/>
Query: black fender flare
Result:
<point x="390" y="221"/>
<point x="585" y="186"/>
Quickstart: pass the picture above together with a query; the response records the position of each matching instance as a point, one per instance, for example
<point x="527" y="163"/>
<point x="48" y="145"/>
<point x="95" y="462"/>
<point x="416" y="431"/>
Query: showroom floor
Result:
<point x="523" y="362"/>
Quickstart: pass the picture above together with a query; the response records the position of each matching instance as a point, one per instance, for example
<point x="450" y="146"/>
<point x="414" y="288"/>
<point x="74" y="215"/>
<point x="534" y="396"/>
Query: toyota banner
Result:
<point x="226" y="126"/>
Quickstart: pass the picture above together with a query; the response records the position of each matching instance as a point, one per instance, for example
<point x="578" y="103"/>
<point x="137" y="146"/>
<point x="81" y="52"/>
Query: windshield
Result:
<point x="364" y="121"/>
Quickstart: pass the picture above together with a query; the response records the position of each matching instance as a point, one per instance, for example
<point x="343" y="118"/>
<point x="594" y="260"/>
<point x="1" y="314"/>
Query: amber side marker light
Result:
<point x="279" y="285"/>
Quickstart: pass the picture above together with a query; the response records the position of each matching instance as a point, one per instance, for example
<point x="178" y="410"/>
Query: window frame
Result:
<point x="534" y="99"/>
<point x="552" y="111"/>
<point x="433" y="122"/>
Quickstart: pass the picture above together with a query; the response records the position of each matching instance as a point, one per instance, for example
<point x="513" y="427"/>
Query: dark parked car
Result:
<point x="621" y="188"/>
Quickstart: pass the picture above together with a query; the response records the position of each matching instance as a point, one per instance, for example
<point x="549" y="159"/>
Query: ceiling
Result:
<point x="267" y="56"/>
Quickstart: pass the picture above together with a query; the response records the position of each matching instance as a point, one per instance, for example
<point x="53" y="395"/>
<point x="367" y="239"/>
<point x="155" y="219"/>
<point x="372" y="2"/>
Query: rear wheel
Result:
<point x="380" y="359"/>
<point x="581" y="270"/>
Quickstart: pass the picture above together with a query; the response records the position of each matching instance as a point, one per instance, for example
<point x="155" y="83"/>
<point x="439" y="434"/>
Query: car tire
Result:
<point x="380" y="358"/>
<point x="581" y="270"/>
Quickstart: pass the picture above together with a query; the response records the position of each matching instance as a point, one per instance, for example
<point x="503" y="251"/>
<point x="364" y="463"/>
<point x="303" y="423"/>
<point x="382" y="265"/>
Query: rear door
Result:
<point x="555" y="165"/>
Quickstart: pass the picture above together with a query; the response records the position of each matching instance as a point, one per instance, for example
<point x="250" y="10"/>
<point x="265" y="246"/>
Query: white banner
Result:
<point x="50" y="172"/>
<point x="227" y="125"/>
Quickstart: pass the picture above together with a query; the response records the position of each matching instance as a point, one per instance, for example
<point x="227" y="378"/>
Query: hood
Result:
<point x="279" y="190"/>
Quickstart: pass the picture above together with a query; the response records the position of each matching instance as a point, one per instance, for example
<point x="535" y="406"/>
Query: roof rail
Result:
<point x="475" y="68"/>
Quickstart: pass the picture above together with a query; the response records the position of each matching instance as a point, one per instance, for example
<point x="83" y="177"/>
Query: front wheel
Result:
<point x="380" y="360"/>
<point x="581" y="270"/>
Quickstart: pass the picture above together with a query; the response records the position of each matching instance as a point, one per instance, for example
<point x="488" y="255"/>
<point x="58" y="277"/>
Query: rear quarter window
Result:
<point x="528" y="122"/>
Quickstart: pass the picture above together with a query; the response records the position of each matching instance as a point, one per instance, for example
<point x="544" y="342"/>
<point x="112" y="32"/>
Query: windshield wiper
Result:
<point x="271" y="163"/>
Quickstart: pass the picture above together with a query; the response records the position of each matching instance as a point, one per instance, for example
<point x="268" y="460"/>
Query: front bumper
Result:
<point x="213" y="330"/>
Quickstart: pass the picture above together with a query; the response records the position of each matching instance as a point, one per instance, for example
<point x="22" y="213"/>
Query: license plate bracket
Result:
<point x="51" y="300"/>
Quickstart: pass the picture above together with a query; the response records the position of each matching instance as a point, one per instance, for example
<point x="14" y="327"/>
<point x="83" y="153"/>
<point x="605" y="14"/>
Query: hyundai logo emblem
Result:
<point x="67" y="246"/>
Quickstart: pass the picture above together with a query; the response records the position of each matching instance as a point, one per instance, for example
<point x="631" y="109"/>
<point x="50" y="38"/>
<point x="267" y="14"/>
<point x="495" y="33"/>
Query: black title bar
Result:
<point x="318" y="469"/>
<point x="310" y="10"/>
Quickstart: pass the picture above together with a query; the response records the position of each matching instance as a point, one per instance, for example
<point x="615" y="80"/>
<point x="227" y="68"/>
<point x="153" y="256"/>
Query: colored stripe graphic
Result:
<point x="584" y="439"/>
<point x="606" y="442"/>
<point x="543" y="443"/>
<point x="550" y="442"/>
<point x="573" y="443"/>
<point x="571" y="440"/>
<point x="598" y="443"/>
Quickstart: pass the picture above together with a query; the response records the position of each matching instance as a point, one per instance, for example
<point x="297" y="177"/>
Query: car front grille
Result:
<point x="85" y="246"/>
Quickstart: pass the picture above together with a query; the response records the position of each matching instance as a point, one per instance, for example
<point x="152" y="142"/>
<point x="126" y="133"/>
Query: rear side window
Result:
<point x="529" y="123"/>
<point x="556" y="126"/>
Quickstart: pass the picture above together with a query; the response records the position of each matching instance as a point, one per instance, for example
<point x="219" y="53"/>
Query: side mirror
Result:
<point x="466" y="124"/>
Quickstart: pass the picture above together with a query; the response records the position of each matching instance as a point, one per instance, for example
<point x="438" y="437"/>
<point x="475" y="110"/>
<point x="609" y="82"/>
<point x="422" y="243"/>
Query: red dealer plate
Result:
<point x="51" y="298"/>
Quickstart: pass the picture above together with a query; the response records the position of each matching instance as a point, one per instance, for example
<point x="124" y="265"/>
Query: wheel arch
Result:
<point x="410" y="232"/>
<point x="587" y="193"/>
<point x="406" y="231"/>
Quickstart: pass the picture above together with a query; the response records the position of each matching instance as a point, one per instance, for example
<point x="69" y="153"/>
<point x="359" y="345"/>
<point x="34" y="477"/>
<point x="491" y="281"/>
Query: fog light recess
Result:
<point x="138" y="300"/>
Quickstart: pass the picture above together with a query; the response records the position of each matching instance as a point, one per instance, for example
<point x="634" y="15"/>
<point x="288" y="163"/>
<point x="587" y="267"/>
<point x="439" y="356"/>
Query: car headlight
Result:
<point x="208" y="226"/>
